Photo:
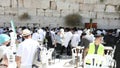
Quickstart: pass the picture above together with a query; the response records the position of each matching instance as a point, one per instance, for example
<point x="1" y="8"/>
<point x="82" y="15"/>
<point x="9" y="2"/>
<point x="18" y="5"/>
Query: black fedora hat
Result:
<point x="98" y="35"/>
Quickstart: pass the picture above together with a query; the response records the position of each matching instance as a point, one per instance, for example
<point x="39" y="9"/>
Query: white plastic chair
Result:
<point x="77" y="55"/>
<point x="42" y="61"/>
<point x="109" y="56"/>
<point x="96" y="61"/>
<point x="49" y="54"/>
<point x="43" y="55"/>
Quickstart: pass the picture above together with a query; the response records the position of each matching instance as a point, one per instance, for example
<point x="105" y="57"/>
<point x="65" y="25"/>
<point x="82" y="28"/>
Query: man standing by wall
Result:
<point x="26" y="50"/>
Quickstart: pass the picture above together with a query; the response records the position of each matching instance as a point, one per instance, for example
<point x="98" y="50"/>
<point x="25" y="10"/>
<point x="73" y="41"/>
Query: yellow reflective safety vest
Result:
<point x="100" y="50"/>
<point x="91" y="50"/>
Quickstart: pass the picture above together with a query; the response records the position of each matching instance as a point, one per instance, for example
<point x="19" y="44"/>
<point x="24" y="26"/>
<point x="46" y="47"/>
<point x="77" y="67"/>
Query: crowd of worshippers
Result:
<point x="66" y="38"/>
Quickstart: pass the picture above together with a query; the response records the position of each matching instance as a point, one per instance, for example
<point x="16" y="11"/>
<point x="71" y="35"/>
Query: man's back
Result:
<point x="75" y="40"/>
<point x="26" y="51"/>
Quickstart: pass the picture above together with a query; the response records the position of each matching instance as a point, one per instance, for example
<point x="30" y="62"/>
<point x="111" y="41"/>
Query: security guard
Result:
<point x="96" y="47"/>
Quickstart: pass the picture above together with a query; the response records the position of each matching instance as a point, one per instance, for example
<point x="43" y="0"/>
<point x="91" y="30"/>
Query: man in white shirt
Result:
<point x="1" y="30"/>
<point x="26" y="50"/>
<point x="67" y="37"/>
<point x="42" y="34"/>
<point x="4" y="41"/>
<point x="90" y="36"/>
<point x="75" y="38"/>
<point x="35" y="35"/>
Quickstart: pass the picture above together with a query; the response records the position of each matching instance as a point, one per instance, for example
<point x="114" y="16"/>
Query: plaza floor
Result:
<point x="63" y="62"/>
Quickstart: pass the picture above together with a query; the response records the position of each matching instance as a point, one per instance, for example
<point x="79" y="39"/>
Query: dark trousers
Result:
<point x="58" y="48"/>
<point x="118" y="64"/>
<point x="62" y="50"/>
<point x="69" y="52"/>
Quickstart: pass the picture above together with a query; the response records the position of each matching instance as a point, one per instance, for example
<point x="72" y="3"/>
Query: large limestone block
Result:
<point x="6" y="19"/>
<point x="100" y="23"/>
<point x="28" y="3"/>
<point x="72" y="1"/>
<point x="75" y="1"/>
<point x="108" y="23"/>
<point x="79" y="1"/>
<point x="100" y="15"/>
<point x="53" y="5"/>
<point x="43" y="4"/>
<point x="110" y="8"/>
<point x="62" y="5"/>
<point x="14" y="3"/>
<point x="52" y="0"/>
<point x="11" y="11"/>
<point x="113" y="2"/>
<point x="1" y="10"/>
<point x="109" y="15"/>
<point x="99" y="7"/>
<point x="31" y="11"/>
<point x="59" y="0"/>
<point x="56" y="13"/>
<point x="20" y="3"/>
<point x="87" y="14"/>
<point x="91" y="1"/>
<point x="5" y="3"/>
<point x="40" y="12"/>
<point x="74" y="6"/>
<point x="49" y="13"/>
<point x="66" y="12"/>
<point x="86" y="7"/>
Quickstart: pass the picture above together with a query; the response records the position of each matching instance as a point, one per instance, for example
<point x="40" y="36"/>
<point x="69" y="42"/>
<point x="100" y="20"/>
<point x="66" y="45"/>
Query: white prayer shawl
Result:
<point x="41" y="35"/>
<point x="90" y="37"/>
<point x="75" y="40"/>
<point x="35" y="36"/>
<point x="67" y="38"/>
<point x="62" y="33"/>
<point x="79" y="33"/>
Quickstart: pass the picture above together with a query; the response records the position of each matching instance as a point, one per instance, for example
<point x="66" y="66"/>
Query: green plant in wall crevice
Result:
<point x="24" y="16"/>
<point x="101" y="1"/>
<point x="73" y="19"/>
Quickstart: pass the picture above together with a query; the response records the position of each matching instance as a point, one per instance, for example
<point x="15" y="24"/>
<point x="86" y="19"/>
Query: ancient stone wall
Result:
<point x="52" y="12"/>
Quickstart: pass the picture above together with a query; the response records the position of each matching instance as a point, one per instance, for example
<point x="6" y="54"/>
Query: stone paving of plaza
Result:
<point x="64" y="62"/>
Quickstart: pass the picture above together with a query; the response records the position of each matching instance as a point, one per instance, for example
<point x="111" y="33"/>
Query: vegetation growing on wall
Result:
<point x="119" y="8"/>
<point x="24" y="16"/>
<point x="101" y="1"/>
<point x="73" y="20"/>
